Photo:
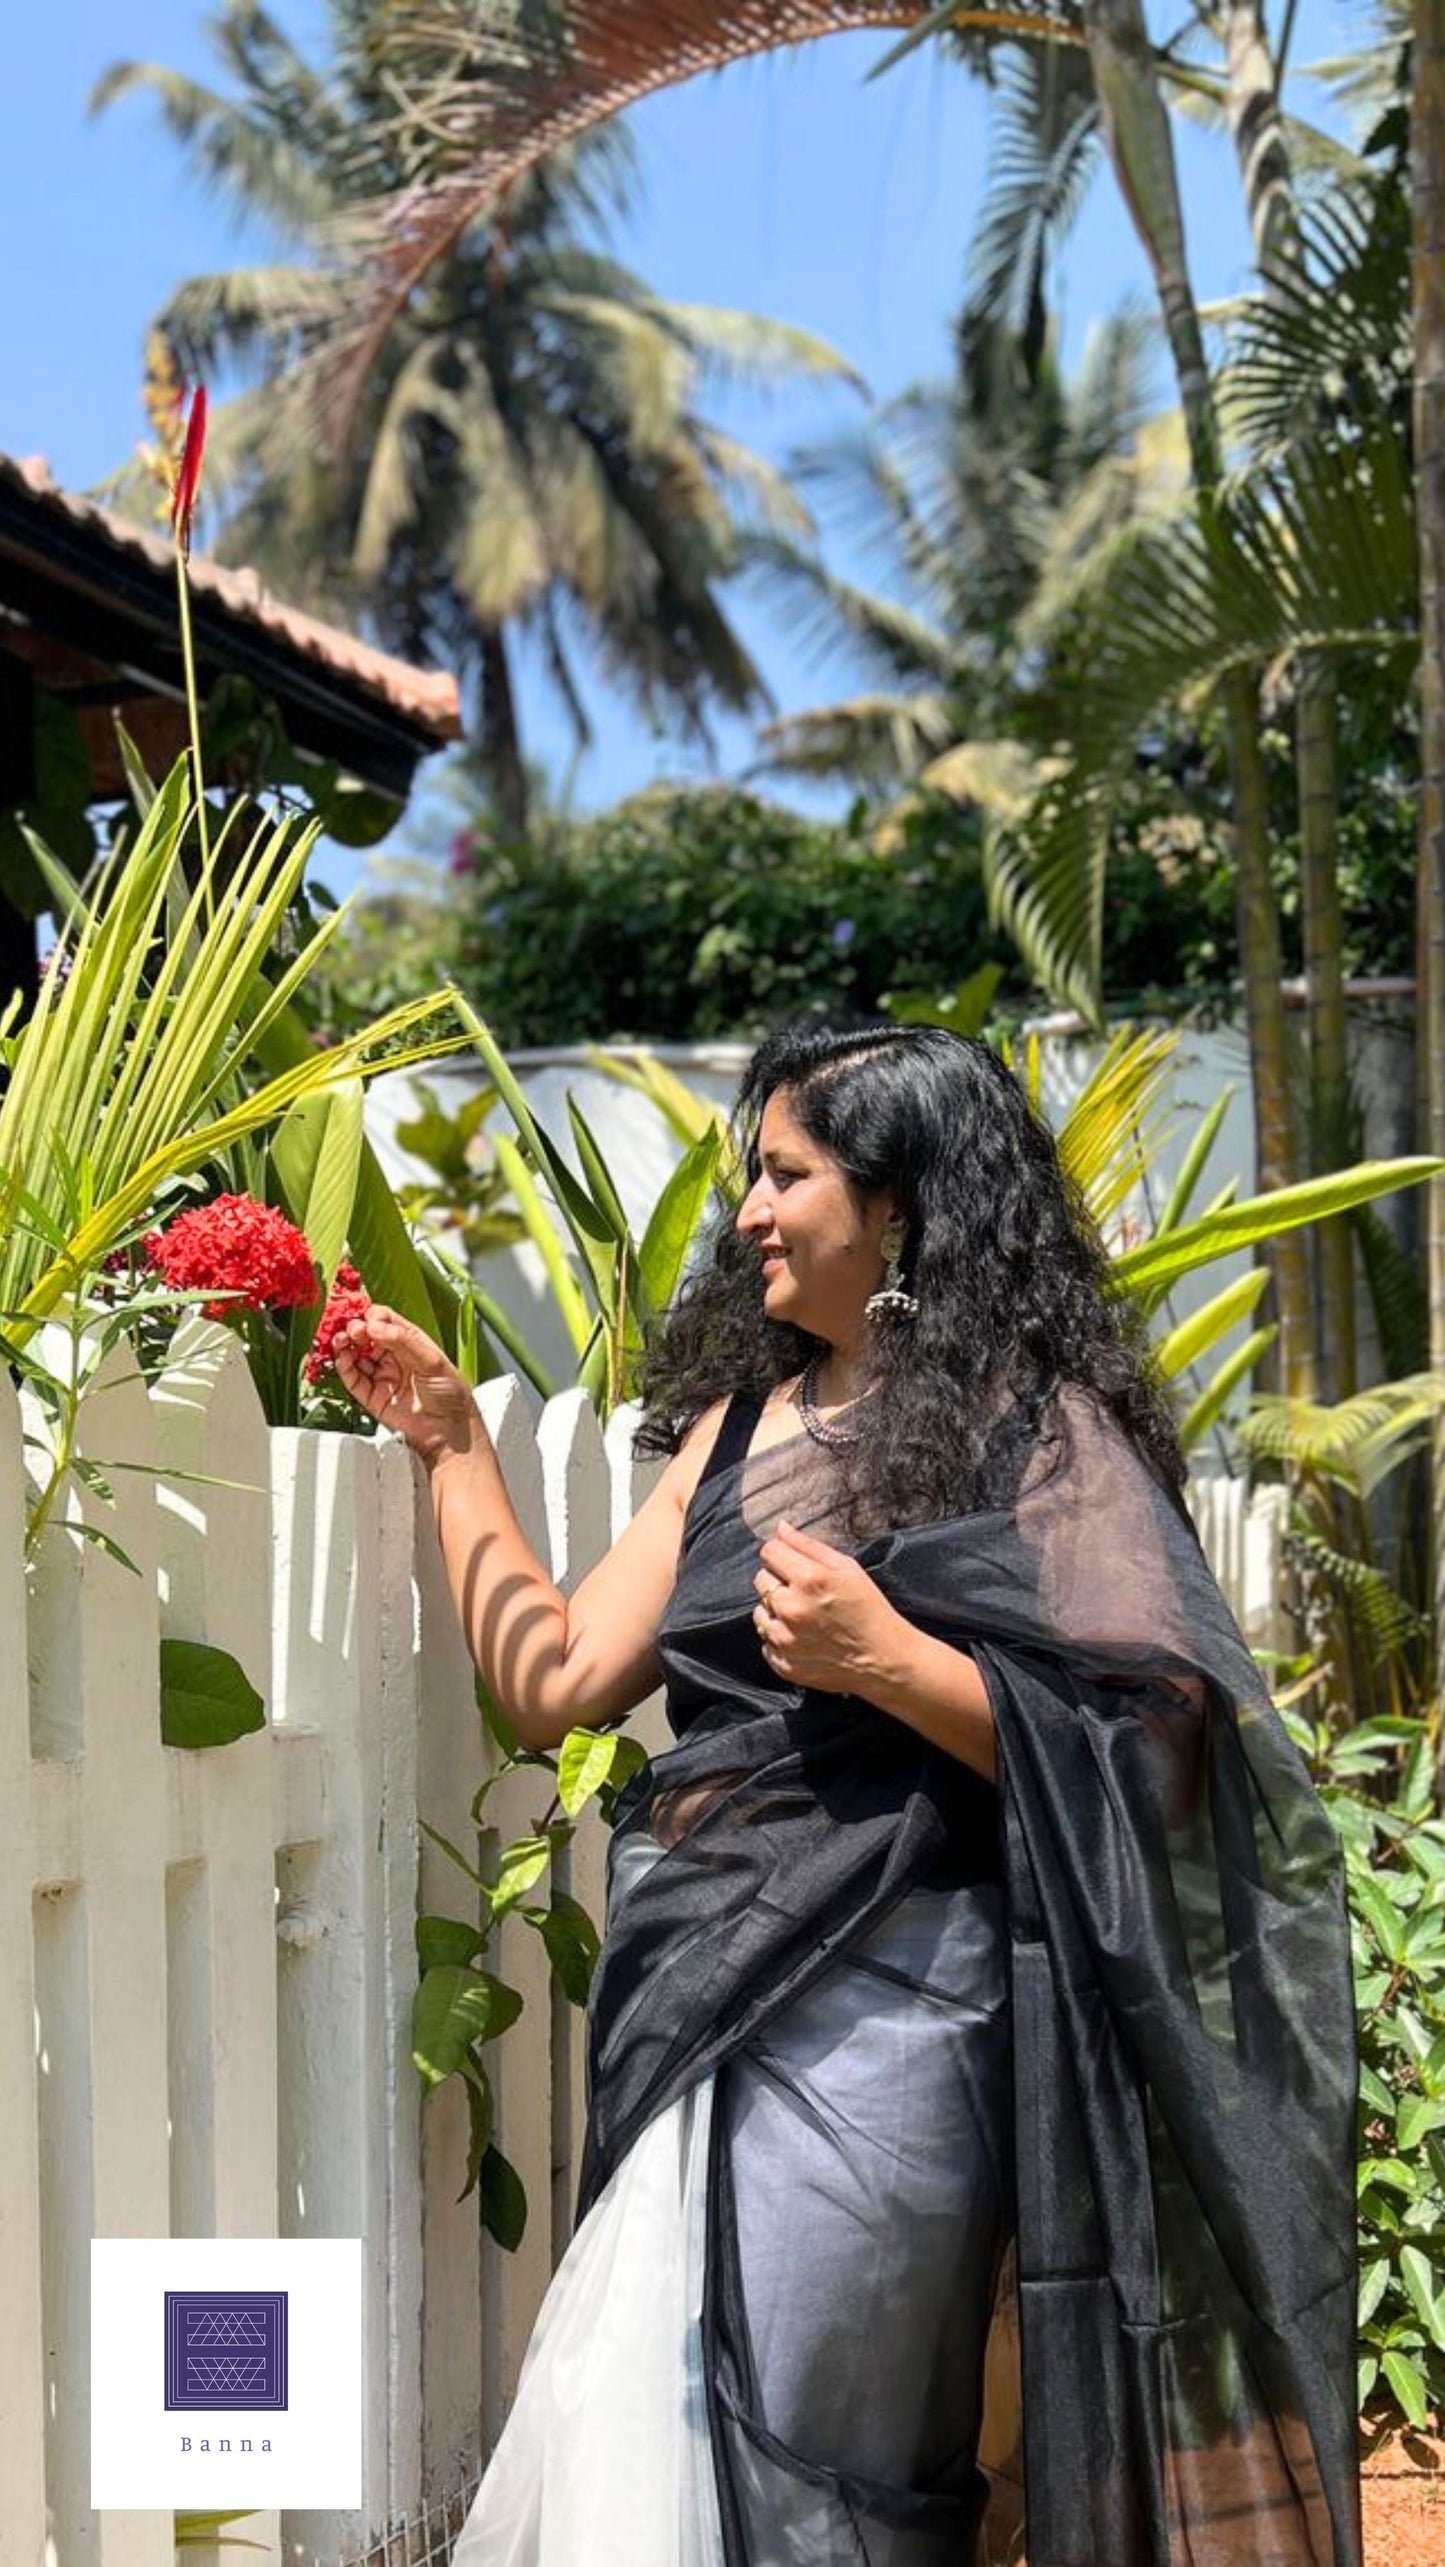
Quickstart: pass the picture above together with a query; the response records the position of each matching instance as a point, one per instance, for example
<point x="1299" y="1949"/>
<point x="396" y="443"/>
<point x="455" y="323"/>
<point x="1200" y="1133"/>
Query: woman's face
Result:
<point x="820" y="1255"/>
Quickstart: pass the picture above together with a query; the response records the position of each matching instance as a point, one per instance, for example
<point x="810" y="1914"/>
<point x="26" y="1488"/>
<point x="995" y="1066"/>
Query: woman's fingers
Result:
<point x="401" y="1337"/>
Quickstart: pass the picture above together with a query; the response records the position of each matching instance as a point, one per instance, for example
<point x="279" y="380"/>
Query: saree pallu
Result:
<point x="1165" y="2355"/>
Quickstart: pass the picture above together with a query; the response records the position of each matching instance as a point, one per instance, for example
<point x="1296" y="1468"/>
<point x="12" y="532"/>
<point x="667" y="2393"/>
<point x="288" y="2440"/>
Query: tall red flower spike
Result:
<point x="188" y="479"/>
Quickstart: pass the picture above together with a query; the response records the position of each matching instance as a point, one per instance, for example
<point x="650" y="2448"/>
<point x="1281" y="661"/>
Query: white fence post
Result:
<point x="348" y="2099"/>
<point x="450" y="1765"/>
<point x="100" y="1808"/>
<point x="22" y="2338"/>
<point x="513" y="2284"/>
<point x="577" y="1480"/>
<point x="1242" y="1538"/>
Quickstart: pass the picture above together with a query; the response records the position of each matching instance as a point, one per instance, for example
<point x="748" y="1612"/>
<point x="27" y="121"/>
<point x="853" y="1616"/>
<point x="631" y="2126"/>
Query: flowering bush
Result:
<point x="238" y="1247"/>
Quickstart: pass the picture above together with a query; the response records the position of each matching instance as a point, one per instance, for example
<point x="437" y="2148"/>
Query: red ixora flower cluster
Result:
<point x="239" y="1245"/>
<point x="348" y="1299"/>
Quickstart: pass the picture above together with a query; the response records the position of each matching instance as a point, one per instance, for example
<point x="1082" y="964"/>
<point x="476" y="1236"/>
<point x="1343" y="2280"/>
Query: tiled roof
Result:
<point x="427" y="698"/>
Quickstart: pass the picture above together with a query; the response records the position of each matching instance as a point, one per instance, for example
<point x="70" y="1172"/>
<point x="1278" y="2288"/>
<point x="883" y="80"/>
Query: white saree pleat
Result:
<point x="604" y="2457"/>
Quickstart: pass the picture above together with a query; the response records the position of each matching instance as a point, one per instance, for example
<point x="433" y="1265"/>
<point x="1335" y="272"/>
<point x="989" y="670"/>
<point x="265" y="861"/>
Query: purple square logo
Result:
<point x="225" y="2349"/>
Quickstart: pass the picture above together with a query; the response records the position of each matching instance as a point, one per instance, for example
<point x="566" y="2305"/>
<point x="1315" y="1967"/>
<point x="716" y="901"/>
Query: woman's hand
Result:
<point x="821" y="1619"/>
<point x="401" y="1377"/>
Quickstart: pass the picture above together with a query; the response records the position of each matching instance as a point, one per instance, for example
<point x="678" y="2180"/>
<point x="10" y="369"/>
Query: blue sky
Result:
<point x="788" y="185"/>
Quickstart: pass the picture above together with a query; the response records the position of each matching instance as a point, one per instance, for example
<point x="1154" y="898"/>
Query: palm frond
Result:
<point x="395" y="475"/>
<point x="643" y="371"/>
<point x="1109" y="399"/>
<point x="761" y="499"/>
<point x="498" y="552"/>
<point x="1398" y="1295"/>
<point x="747" y="347"/>
<point x="1329" y="333"/>
<point x="1001" y="776"/>
<point x="1377" y="1612"/>
<point x="239" y="154"/>
<point x="1044" y="150"/>
<point x="877" y="739"/>
<point x="1357" y="1441"/>
<point x="489" y="101"/>
<point x="1315" y="551"/>
<point x="237" y="314"/>
<point x="829" y="614"/>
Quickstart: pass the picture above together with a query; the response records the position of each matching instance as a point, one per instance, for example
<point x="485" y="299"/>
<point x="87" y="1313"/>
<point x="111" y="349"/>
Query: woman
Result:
<point x="970" y="2145"/>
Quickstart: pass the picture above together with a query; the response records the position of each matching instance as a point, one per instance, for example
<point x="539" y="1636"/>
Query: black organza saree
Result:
<point x="970" y="2172"/>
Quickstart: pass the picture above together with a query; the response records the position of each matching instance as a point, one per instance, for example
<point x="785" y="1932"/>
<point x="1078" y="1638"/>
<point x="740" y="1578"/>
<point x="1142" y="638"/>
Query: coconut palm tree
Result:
<point x="969" y="493"/>
<point x="527" y="458"/>
<point x="1308" y="544"/>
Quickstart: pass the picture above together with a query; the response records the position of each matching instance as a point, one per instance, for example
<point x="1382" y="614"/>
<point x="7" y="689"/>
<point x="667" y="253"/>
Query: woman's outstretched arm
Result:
<point x="551" y="1662"/>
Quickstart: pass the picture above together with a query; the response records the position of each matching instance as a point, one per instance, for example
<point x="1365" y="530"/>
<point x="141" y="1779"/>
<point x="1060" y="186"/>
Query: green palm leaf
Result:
<point x="1150" y="1268"/>
<point x="1313" y="552"/>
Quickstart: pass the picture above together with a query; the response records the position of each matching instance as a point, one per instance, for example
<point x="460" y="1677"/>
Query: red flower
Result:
<point x="188" y="478"/>
<point x="348" y="1299"/>
<point x="236" y="1244"/>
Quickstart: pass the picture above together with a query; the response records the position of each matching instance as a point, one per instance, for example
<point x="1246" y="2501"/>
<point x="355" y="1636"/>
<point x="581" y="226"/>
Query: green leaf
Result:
<point x="1417" y="2114"/>
<point x="584" y="1763"/>
<point x="521" y="1867"/>
<point x="594" y="1235"/>
<point x="450" y="1849"/>
<point x="674" y="1219"/>
<point x="1181" y="1193"/>
<point x="454" y="2007"/>
<point x="542" y="1231"/>
<point x="572" y="1943"/>
<point x="106" y="1542"/>
<point x="1387" y="2171"/>
<point x="317" y="1153"/>
<point x="357" y="815"/>
<point x="502" y="2199"/>
<point x="55" y="809"/>
<point x="1372" y="2286"/>
<point x="92" y="1477"/>
<point x="207" y="1699"/>
<point x="1408" y="2382"/>
<point x="631" y="1756"/>
<point x="1204" y="1327"/>
<point x="1375" y="1903"/>
<point x="1420" y="2281"/>
<point x="1374" y="2091"/>
<point x="495" y="1722"/>
<point x="443" y="1940"/>
<point x="137" y="774"/>
<point x="481" y="2116"/>
<point x="1157" y="1261"/>
<point x="1209" y="1406"/>
<point x="380" y="1244"/>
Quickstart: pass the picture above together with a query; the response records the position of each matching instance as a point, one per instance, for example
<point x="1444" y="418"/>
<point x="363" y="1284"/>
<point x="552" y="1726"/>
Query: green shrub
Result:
<point x="1377" y="1779"/>
<point x="696" y="914"/>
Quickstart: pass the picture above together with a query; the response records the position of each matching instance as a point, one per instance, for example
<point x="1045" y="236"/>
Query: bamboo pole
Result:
<point x="1427" y="168"/>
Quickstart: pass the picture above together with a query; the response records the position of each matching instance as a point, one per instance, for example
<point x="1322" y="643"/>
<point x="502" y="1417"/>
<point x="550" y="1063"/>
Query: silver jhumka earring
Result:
<point x="891" y="1301"/>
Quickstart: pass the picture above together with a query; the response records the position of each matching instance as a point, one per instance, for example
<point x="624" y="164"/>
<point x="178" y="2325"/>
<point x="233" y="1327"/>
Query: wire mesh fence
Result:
<point x="425" y="2540"/>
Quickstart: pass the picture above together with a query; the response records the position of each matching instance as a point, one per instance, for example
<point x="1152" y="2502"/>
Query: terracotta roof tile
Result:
<point x="427" y="697"/>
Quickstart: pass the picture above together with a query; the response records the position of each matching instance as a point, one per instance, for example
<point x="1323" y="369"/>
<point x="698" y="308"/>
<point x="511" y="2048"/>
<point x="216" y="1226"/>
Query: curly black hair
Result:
<point x="1015" y="1293"/>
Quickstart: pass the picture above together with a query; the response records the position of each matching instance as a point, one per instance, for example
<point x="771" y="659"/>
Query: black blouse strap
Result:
<point x="734" y="1434"/>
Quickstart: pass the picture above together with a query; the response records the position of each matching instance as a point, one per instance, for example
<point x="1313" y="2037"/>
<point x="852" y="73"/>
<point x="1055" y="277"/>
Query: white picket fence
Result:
<point x="207" y="1958"/>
